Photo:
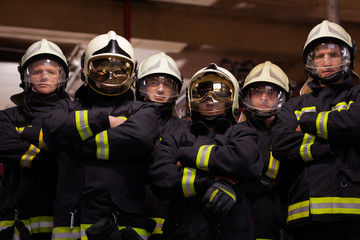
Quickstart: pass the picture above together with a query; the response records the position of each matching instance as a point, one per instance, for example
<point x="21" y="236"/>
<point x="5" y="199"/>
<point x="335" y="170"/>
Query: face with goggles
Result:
<point x="264" y="99"/>
<point x="211" y="95"/>
<point x="159" y="88"/>
<point x="44" y="76"/>
<point x="110" y="74"/>
<point x="326" y="59"/>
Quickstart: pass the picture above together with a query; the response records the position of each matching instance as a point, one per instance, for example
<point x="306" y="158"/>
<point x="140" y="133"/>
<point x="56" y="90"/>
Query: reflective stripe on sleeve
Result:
<point x="29" y="155"/>
<point x="82" y="124"/>
<point x="321" y="125"/>
<point x="159" y="225"/>
<point x="273" y="167"/>
<point x="202" y="159"/>
<point x="102" y="145"/>
<point x="298" y="113"/>
<point x="62" y="233"/>
<point x="187" y="182"/>
<point x="324" y="205"/>
<point x="305" y="148"/>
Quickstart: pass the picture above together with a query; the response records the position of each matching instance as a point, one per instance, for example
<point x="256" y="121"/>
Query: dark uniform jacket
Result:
<point x="322" y="161"/>
<point x="267" y="198"/>
<point x="101" y="170"/>
<point x="28" y="186"/>
<point x="185" y="167"/>
<point x="155" y="208"/>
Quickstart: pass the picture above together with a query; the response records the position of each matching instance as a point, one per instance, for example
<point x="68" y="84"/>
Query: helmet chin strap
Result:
<point x="330" y="79"/>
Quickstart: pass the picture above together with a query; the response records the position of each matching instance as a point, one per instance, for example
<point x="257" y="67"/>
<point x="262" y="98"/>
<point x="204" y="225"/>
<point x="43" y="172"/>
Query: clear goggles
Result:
<point x="328" y="56"/>
<point x="110" y="71"/>
<point x="159" y="85"/>
<point x="264" y="99"/>
<point x="45" y="70"/>
<point x="211" y="93"/>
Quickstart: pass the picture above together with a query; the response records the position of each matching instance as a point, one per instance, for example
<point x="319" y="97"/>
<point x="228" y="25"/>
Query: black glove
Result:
<point x="218" y="200"/>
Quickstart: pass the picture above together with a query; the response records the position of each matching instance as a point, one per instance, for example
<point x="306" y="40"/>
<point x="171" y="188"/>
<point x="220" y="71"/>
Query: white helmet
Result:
<point x="331" y="36"/>
<point x="265" y="78"/>
<point x="215" y="86"/>
<point x="43" y="52"/>
<point x="109" y="64"/>
<point x="155" y="69"/>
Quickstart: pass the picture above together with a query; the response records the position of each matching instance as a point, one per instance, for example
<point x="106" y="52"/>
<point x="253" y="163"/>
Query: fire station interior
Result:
<point x="236" y="34"/>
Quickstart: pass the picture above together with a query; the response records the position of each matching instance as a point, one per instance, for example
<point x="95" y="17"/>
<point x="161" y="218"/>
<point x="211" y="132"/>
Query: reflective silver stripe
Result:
<point x="61" y="233"/>
<point x="188" y="182"/>
<point x="305" y="148"/>
<point x="324" y="205"/>
<point x="102" y="145"/>
<point x="273" y="167"/>
<point x="29" y="155"/>
<point x="202" y="159"/>
<point x="298" y="113"/>
<point x="82" y="124"/>
<point x="321" y="125"/>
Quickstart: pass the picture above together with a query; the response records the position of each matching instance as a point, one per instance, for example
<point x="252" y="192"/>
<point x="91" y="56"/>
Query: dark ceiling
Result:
<point x="258" y="30"/>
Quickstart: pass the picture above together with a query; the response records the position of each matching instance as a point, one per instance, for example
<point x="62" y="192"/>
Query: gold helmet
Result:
<point x="109" y="64"/>
<point x="212" y="91"/>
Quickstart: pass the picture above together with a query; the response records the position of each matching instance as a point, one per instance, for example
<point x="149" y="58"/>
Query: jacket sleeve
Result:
<point x="289" y="144"/>
<point x="134" y="138"/>
<point x="67" y="126"/>
<point x="21" y="146"/>
<point x="170" y="180"/>
<point x="238" y="156"/>
<point x="341" y="124"/>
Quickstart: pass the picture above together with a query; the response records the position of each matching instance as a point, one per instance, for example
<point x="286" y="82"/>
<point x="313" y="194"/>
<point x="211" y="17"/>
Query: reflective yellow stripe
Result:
<point x="273" y="167"/>
<point x="65" y="233"/>
<point x="298" y="210"/>
<point x="159" y="225"/>
<point x="82" y="124"/>
<point x="324" y="205"/>
<point x="298" y="113"/>
<point x="321" y="125"/>
<point x="19" y="129"/>
<point x="305" y="148"/>
<point x="102" y="145"/>
<point x="342" y="106"/>
<point x="229" y="193"/>
<point x="188" y="182"/>
<point x="202" y="159"/>
<point x="29" y="155"/>
<point x="125" y="118"/>
<point x="40" y="224"/>
<point x="5" y="224"/>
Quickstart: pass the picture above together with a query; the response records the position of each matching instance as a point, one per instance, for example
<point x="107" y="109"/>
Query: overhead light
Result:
<point x="190" y="2"/>
<point x="245" y="5"/>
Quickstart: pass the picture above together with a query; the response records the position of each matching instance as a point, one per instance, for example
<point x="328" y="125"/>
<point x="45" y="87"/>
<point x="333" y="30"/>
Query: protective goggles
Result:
<point x="110" y="70"/>
<point x="212" y="87"/>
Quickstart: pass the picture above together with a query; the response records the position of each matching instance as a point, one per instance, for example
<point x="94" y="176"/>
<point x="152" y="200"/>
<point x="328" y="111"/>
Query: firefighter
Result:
<point x="314" y="140"/>
<point x="265" y="90"/>
<point x="28" y="186"/>
<point x="204" y="169"/>
<point x="103" y="139"/>
<point x="159" y="81"/>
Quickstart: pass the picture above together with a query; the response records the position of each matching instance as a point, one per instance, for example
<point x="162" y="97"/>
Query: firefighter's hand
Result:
<point x="114" y="121"/>
<point x="218" y="200"/>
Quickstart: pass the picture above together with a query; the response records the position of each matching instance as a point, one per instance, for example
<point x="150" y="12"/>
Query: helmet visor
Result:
<point x="211" y="94"/>
<point x="44" y="74"/>
<point x="159" y="88"/>
<point x="264" y="99"/>
<point x="111" y="73"/>
<point x="326" y="59"/>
